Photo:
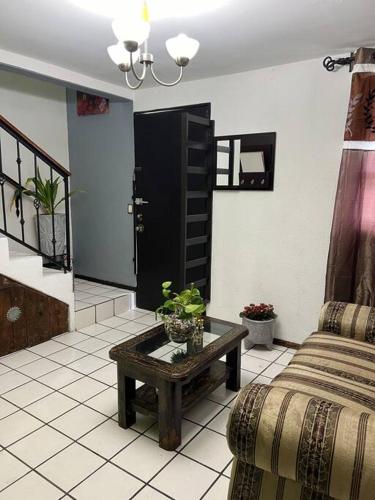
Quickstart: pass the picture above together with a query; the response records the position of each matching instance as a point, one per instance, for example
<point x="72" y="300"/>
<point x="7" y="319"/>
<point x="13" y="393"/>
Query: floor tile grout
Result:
<point x="221" y="406"/>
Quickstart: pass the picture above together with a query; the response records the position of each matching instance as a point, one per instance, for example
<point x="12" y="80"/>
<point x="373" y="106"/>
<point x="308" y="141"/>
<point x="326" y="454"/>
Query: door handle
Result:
<point x="140" y="201"/>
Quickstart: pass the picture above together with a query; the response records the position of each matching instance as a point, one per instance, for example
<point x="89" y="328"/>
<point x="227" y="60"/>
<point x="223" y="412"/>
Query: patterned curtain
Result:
<point x="351" y="260"/>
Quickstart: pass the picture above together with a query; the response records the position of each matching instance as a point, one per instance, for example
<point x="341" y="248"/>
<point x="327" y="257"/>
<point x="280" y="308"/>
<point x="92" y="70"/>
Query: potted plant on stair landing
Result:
<point x="259" y="319"/>
<point x="45" y="193"/>
<point x="181" y="312"/>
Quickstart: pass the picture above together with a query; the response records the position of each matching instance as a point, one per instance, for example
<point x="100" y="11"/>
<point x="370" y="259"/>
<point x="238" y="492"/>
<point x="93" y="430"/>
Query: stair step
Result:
<point x="23" y="266"/>
<point x="29" y="265"/>
<point x="52" y="273"/>
<point x="4" y="250"/>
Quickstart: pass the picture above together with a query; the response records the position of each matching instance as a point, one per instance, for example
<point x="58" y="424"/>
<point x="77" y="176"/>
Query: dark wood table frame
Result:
<point x="178" y="386"/>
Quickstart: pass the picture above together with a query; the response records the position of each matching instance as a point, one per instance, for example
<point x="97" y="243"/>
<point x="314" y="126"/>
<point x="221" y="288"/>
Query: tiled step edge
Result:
<point x="98" y="312"/>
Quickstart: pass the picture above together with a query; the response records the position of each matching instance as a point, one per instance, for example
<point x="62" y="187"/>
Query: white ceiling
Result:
<point x="242" y="35"/>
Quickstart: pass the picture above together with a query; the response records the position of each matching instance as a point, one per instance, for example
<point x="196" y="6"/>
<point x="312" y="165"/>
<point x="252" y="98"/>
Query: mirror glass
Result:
<point x="252" y="162"/>
<point x="222" y="166"/>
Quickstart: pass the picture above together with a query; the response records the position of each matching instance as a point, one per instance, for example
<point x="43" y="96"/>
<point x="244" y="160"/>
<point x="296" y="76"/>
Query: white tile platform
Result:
<point x="95" y="302"/>
<point x="59" y="436"/>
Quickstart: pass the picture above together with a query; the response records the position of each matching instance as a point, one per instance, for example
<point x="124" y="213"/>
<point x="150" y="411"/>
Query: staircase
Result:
<point x="28" y="269"/>
<point x="30" y="254"/>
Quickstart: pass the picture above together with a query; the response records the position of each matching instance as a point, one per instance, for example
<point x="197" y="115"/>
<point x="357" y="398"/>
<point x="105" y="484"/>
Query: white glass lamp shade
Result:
<point x="182" y="48"/>
<point x="120" y="56"/>
<point x="129" y="29"/>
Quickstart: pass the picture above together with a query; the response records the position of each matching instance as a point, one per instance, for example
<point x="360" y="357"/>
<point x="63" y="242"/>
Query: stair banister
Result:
<point x="15" y="183"/>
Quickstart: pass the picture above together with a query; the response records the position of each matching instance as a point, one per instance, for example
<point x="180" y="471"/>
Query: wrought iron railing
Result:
<point x="21" y="160"/>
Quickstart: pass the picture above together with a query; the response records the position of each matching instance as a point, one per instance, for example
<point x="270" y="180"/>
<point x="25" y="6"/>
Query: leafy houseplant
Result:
<point x="44" y="193"/>
<point x="259" y="320"/>
<point x="181" y="312"/>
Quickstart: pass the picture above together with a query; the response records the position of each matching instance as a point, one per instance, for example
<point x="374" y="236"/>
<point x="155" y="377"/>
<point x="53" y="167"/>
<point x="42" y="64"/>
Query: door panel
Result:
<point x="158" y="179"/>
<point x="176" y="183"/>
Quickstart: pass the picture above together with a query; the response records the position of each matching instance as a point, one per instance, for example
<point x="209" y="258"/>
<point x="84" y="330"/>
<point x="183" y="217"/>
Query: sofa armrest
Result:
<point x="326" y="447"/>
<point x="348" y="320"/>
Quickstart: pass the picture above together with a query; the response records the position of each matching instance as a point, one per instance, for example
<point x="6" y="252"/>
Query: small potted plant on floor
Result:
<point x="259" y="320"/>
<point x="181" y="312"/>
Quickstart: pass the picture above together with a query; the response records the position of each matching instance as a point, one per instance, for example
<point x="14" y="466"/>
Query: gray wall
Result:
<point x="101" y="154"/>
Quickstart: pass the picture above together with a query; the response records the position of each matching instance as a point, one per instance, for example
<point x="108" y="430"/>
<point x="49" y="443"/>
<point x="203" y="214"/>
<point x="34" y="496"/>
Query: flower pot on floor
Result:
<point x="46" y="234"/>
<point x="260" y="332"/>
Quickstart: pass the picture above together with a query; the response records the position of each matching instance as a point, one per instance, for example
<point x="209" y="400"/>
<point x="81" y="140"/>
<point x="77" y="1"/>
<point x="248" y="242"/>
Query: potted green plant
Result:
<point x="259" y="320"/>
<point x="181" y="312"/>
<point x="44" y="193"/>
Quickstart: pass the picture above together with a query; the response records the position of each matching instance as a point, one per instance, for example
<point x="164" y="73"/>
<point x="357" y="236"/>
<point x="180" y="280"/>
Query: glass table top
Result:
<point x="160" y="347"/>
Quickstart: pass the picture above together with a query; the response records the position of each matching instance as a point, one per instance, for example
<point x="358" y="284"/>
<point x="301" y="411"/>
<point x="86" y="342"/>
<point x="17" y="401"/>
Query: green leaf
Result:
<point x="169" y="304"/>
<point x="192" y="308"/>
<point x="44" y="191"/>
<point x="166" y="284"/>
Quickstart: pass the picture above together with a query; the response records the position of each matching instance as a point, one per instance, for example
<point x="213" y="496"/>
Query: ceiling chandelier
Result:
<point x="132" y="30"/>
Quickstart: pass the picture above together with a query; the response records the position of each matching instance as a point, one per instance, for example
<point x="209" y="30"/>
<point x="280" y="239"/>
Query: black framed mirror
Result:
<point x="245" y="162"/>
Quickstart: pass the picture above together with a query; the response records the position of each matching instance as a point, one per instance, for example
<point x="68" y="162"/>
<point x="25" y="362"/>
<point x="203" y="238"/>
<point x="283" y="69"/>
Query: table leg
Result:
<point x="169" y="415"/>
<point x="234" y="367"/>
<point x="126" y="394"/>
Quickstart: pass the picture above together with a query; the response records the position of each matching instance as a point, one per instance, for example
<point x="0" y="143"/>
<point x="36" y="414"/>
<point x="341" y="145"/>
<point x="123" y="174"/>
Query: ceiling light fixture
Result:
<point x="132" y="30"/>
<point x="159" y="9"/>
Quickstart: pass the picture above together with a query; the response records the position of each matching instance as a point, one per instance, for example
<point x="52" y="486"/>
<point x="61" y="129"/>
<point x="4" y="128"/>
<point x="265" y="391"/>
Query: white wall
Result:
<point x="37" y="108"/>
<point x="61" y="75"/>
<point x="272" y="246"/>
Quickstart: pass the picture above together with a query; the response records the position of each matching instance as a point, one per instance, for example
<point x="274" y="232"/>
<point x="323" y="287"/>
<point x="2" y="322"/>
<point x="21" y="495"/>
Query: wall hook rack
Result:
<point x="330" y="64"/>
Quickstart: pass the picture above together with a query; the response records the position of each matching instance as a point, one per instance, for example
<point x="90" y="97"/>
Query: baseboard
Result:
<point x="103" y="282"/>
<point x="286" y="343"/>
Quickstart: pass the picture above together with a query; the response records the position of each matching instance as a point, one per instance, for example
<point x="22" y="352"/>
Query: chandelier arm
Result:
<point x="141" y="77"/>
<point x="166" y="84"/>
<point x="132" y="87"/>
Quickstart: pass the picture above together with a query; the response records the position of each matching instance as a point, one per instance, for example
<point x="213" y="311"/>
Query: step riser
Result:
<point x="28" y="270"/>
<point x="4" y="251"/>
<point x="24" y="268"/>
<point x="99" y="312"/>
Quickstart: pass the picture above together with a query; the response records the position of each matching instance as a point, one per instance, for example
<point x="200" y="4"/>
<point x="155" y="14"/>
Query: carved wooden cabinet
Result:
<point x="28" y="317"/>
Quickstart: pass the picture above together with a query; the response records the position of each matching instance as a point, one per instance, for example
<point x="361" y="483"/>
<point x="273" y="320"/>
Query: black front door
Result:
<point x="163" y="188"/>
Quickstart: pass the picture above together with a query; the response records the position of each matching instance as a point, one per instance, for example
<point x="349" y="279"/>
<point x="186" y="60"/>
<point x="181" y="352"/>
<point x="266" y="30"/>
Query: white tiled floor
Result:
<point x="88" y="293"/>
<point x="58" y="424"/>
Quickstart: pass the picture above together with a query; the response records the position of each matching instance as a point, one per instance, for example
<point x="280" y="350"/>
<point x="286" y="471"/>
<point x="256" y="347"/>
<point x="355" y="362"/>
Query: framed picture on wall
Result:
<point x="88" y="104"/>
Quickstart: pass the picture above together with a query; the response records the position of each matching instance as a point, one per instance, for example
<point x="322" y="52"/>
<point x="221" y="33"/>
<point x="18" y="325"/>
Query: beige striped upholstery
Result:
<point x="348" y="320"/>
<point x="311" y="433"/>
<point x="248" y="482"/>
<point x="323" y="446"/>
<point x="335" y="368"/>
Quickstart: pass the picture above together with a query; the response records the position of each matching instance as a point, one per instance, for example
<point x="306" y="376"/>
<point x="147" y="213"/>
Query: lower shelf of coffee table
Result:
<point x="146" y="399"/>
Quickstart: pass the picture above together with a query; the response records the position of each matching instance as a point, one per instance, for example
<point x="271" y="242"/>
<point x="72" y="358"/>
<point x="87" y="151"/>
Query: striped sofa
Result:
<point x="310" y="434"/>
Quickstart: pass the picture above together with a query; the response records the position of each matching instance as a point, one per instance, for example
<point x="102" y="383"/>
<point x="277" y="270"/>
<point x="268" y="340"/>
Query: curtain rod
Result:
<point x="330" y="63"/>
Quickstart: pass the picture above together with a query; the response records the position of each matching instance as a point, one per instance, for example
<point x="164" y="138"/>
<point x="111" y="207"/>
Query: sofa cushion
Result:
<point x="336" y="368"/>
<point x="250" y="483"/>
<point x="348" y="320"/>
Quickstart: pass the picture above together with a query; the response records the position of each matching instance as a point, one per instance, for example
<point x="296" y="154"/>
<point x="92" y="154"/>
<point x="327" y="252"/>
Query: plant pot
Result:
<point x="178" y="330"/>
<point x="260" y="332"/>
<point x="46" y="234"/>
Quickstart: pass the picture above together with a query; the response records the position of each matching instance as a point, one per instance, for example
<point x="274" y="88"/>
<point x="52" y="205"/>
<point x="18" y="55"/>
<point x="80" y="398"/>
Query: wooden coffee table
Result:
<point x="175" y="376"/>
